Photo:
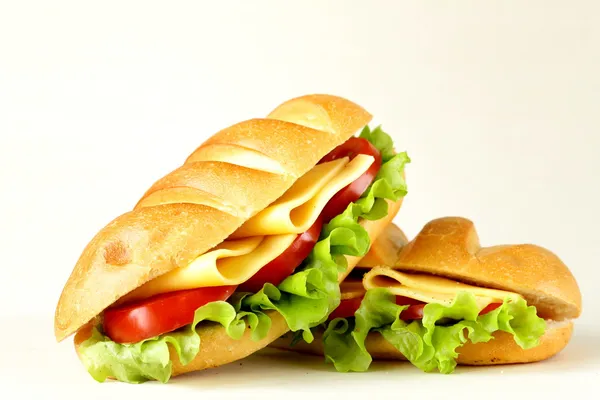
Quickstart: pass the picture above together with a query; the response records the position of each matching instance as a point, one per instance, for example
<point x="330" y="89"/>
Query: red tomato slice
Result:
<point x="351" y="148"/>
<point x="139" y="320"/>
<point x="412" y="312"/>
<point x="347" y="308"/>
<point x="284" y="265"/>
<point x="407" y="301"/>
<point x="490" y="307"/>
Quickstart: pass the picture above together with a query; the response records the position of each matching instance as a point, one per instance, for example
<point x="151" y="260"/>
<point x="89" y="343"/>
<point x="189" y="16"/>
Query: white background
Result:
<point x="497" y="103"/>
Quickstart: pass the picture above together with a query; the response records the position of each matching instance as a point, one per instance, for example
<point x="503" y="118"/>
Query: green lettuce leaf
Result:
<point x="149" y="359"/>
<point x="305" y="299"/>
<point x="427" y="344"/>
<point x="381" y="140"/>
<point x="389" y="182"/>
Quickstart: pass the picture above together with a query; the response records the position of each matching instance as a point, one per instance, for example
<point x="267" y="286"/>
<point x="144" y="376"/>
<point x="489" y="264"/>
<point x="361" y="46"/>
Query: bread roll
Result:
<point x="450" y="247"/>
<point x="228" y="179"/>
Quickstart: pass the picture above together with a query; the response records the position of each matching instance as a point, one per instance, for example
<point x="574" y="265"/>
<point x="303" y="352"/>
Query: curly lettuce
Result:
<point x="427" y="344"/>
<point x="305" y="299"/>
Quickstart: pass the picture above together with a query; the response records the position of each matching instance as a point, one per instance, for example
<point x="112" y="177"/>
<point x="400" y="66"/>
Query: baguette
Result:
<point x="227" y="180"/>
<point x="198" y="205"/>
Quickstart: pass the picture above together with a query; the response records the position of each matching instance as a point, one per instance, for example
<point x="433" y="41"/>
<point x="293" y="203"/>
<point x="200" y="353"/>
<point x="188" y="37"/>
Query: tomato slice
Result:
<point x="490" y="307"/>
<point x="347" y="308"/>
<point x="407" y="301"/>
<point x="351" y="148"/>
<point x="143" y="319"/>
<point x="414" y="310"/>
<point x="284" y="265"/>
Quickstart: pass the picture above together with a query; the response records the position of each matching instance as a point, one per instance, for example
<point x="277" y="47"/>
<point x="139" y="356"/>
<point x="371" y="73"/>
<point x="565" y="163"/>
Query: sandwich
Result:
<point x="248" y="239"/>
<point x="442" y="300"/>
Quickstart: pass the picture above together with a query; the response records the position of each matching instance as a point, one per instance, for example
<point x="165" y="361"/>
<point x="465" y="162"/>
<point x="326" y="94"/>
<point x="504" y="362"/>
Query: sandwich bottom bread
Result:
<point x="443" y="300"/>
<point x="501" y="350"/>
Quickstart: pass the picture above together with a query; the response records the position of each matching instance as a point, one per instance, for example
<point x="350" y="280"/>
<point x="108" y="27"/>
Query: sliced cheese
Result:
<point x="431" y="289"/>
<point x="231" y="263"/>
<point x="299" y="207"/>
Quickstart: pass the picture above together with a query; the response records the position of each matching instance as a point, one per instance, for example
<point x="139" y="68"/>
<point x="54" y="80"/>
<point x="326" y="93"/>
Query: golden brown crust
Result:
<point x="162" y="233"/>
<point x="504" y="350"/>
<point x="219" y="349"/>
<point x="385" y="251"/>
<point x="450" y="247"/>
<point x="203" y="181"/>
<point x="500" y="350"/>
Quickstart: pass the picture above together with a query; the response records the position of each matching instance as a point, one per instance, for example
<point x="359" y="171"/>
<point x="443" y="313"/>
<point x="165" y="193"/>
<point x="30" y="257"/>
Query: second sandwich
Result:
<point x="444" y="300"/>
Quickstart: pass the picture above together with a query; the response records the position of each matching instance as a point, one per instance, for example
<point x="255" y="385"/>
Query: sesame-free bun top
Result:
<point x="224" y="182"/>
<point x="450" y="247"/>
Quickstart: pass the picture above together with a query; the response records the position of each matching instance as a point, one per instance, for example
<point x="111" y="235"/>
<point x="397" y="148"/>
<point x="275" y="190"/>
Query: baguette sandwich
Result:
<point x="444" y="300"/>
<point x="248" y="239"/>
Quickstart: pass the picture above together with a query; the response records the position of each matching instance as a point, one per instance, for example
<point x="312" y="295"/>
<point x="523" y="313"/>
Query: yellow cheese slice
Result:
<point x="431" y="289"/>
<point x="299" y="207"/>
<point x="231" y="263"/>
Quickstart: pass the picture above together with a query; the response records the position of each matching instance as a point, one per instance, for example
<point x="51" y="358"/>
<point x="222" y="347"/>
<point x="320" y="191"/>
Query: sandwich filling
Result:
<point x="426" y="318"/>
<point x="285" y="258"/>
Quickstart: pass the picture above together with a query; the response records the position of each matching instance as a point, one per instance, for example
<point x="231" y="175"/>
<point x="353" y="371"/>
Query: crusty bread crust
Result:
<point x="228" y="179"/>
<point x="218" y="348"/>
<point x="386" y="249"/>
<point x="450" y="247"/>
<point x="500" y="350"/>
